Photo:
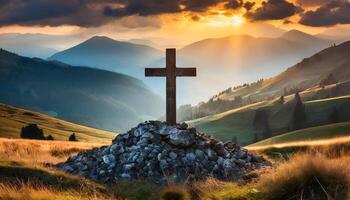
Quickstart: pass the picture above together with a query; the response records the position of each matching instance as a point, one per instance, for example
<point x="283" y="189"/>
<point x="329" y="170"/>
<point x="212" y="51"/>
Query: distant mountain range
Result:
<point x="221" y="62"/>
<point x="87" y="96"/>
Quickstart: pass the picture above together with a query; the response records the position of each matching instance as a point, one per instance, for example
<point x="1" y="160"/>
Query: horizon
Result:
<point x="178" y="24"/>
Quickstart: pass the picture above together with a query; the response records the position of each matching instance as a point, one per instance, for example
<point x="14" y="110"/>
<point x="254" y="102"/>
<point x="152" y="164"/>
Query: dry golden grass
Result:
<point x="299" y="177"/>
<point x="308" y="176"/>
<point x="38" y="151"/>
<point x="23" y="175"/>
<point x="26" y="191"/>
<point x="313" y="143"/>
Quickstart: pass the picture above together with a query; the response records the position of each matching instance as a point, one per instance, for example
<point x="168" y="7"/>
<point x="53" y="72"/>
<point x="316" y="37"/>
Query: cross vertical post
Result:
<point x="170" y="72"/>
<point x="171" y="86"/>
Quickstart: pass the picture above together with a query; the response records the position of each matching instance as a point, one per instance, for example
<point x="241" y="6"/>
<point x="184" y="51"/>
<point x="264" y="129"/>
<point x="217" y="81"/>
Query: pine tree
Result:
<point x="299" y="114"/>
<point x="72" y="138"/>
<point x="334" y="116"/>
<point x="50" y="137"/>
<point x="261" y="122"/>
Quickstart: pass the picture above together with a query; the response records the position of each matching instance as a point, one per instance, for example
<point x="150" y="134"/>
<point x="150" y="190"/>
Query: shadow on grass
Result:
<point x="16" y="174"/>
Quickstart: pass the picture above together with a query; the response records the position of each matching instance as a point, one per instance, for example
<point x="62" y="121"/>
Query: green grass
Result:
<point x="12" y="119"/>
<point x="309" y="134"/>
<point x="238" y="122"/>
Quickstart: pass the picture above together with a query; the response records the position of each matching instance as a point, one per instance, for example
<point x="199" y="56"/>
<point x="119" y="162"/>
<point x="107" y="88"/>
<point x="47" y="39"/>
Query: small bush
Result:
<point x="50" y="137"/>
<point x="32" y="131"/>
<point x="308" y="176"/>
<point x="72" y="138"/>
<point x="174" y="193"/>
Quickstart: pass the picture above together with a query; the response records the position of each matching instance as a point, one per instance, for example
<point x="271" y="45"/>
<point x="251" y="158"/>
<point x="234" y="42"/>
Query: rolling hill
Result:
<point x="82" y="95"/>
<point x="239" y="122"/>
<point x="329" y="66"/>
<point x="12" y="119"/>
<point x="307" y="73"/>
<point x="334" y="131"/>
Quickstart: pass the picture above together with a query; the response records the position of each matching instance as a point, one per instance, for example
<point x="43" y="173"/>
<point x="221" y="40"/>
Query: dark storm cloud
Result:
<point x="273" y="10"/>
<point x="93" y="13"/>
<point x="312" y="2"/>
<point x="154" y="7"/>
<point x="248" y="5"/>
<point x="143" y="8"/>
<point x="50" y="12"/>
<point x="234" y="4"/>
<point x="332" y="13"/>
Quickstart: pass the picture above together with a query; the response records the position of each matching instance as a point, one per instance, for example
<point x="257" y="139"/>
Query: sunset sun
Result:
<point x="237" y="20"/>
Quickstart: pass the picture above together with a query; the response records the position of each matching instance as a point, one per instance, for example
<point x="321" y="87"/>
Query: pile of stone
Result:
<point x="162" y="153"/>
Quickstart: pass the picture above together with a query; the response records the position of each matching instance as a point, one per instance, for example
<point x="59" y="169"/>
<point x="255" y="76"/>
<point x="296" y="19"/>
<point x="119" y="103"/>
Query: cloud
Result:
<point x="332" y="13"/>
<point x="50" y="12"/>
<point x="273" y="10"/>
<point x="234" y="4"/>
<point x="95" y="13"/>
<point x="312" y="2"/>
<point x="155" y="7"/>
<point x="143" y="8"/>
<point x="248" y="5"/>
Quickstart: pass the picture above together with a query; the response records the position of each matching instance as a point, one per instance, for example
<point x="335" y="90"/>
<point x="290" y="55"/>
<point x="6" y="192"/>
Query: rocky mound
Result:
<point x="162" y="153"/>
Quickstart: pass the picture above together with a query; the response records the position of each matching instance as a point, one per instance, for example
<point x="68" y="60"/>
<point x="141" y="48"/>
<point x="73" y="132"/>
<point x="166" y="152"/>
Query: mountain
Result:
<point x="105" y="53"/>
<point x="82" y="95"/>
<point x="234" y="60"/>
<point x="250" y="57"/>
<point x="35" y="45"/>
<point x="12" y="119"/>
<point x="144" y="42"/>
<point x="330" y="65"/>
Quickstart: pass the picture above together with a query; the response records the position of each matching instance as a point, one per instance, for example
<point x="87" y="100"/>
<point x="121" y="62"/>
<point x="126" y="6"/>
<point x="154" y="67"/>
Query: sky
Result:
<point x="174" y="23"/>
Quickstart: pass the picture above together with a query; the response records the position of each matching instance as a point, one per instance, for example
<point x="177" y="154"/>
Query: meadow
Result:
<point x="315" y="172"/>
<point x="12" y="119"/>
<point x="238" y="122"/>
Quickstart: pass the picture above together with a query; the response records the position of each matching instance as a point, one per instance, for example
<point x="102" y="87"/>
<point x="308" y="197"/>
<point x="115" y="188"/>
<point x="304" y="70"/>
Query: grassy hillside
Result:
<point x="12" y="119"/>
<point x="325" y="132"/>
<point x="82" y="95"/>
<point x="328" y="132"/>
<point x="306" y="74"/>
<point x="239" y="122"/>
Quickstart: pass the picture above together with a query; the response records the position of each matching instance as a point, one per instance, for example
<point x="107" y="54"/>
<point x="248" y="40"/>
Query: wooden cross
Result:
<point x="170" y="72"/>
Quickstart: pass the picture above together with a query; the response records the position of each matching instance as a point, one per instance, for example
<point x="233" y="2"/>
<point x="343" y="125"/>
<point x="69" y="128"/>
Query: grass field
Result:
<point x="239" y="122"/>
<point x="336" y="132"/>
<point x="27" y="174"/>
<point x="12" y="119"/>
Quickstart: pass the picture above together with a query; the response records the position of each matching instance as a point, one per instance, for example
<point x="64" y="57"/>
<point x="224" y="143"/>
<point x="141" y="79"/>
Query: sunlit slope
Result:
<point x="239" y="122"/>
<point x="331" y="131"/>
<point x="305" y="74"/>
<point x="12" y="119"/>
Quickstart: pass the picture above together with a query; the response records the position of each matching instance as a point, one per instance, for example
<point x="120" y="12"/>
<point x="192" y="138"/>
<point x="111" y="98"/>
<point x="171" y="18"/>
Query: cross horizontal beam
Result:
<point x="178" y="72"/>
<point x="186" y="72"/>
<point x="155" y="72"/>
